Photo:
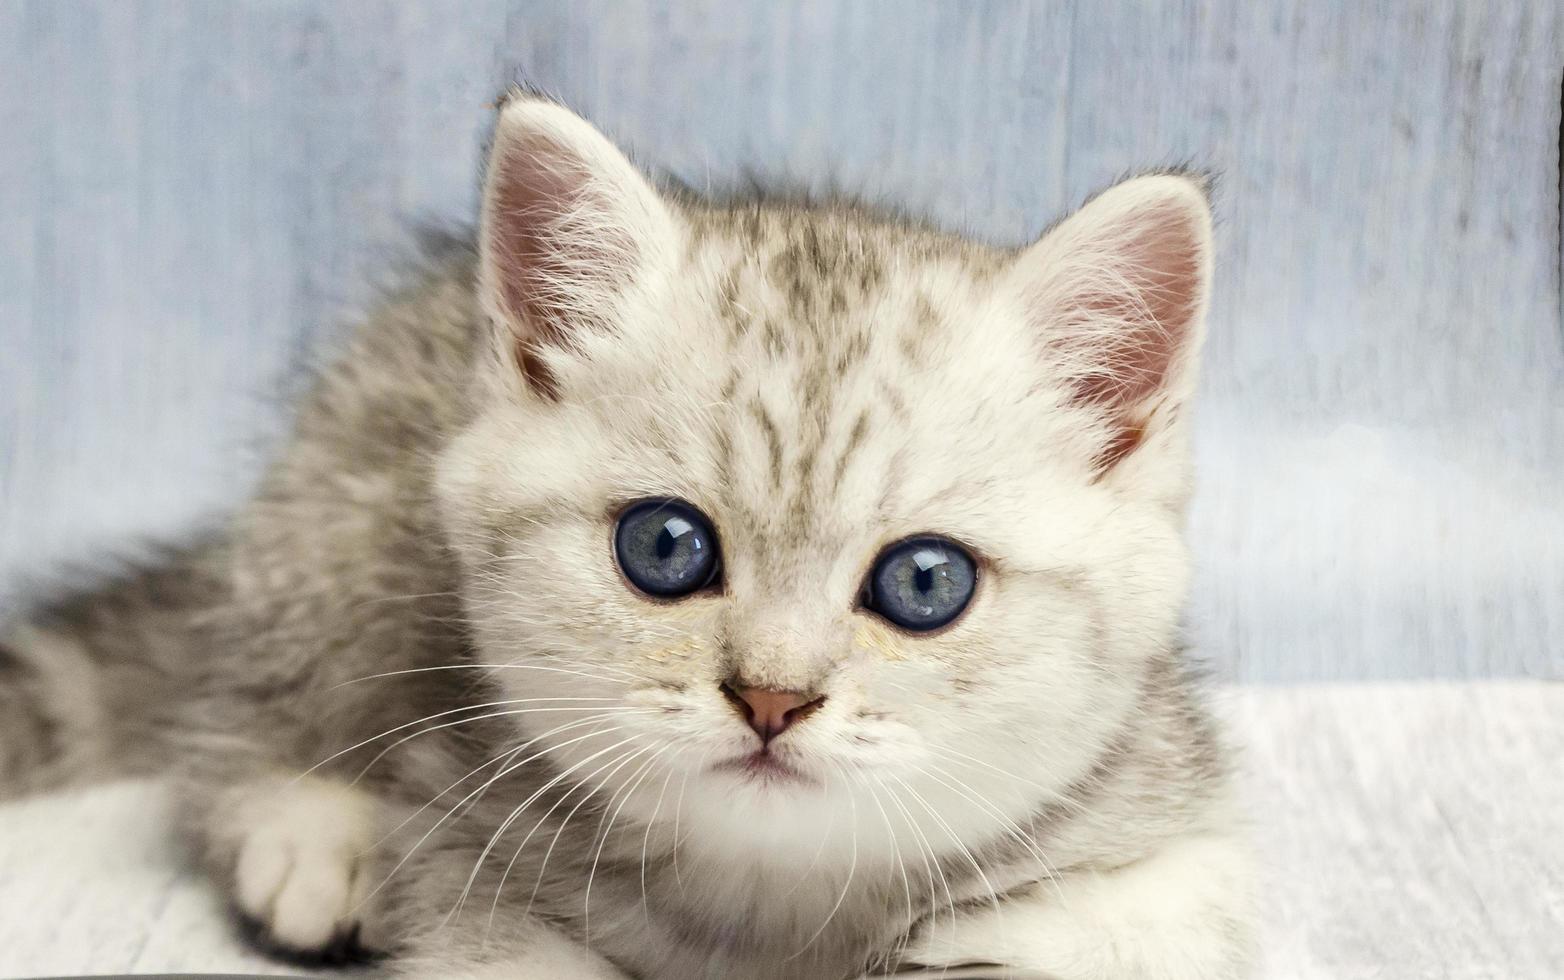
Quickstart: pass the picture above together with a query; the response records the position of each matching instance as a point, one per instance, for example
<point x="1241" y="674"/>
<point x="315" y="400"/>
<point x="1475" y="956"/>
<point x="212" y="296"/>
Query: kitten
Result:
<point x="673" y="589"/>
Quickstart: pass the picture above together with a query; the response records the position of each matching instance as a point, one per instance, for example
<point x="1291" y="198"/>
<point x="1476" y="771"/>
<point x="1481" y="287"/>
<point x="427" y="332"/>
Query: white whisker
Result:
<point x="955" y="839"/>
<point x="631" y="785"/>
<point x="852" y="869"/>
<point x="512" y="767"/>
<point x="623" y="761"/>
<point x="646" y="841"/>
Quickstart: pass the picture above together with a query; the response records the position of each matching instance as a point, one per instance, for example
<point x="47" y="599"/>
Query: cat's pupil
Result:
<point x="930" y="562"/>
<point x="668" y="539"/>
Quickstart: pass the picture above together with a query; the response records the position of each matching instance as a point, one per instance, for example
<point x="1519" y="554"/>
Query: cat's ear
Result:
<point x="1117" y="295"/>
<point x="569" y="226"/>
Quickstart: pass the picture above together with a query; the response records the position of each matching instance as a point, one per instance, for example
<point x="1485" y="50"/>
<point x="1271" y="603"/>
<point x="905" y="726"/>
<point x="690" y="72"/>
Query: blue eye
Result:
<point x="666" y="548"/>
<point x="921" y="583"/>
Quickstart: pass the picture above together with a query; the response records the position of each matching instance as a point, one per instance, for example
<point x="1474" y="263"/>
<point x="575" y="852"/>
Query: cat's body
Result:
<point x="427" y="570"/>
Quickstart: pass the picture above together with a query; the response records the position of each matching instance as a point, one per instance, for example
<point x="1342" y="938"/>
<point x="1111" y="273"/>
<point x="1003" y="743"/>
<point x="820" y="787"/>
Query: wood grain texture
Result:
<point x="1408" y="831"/>
<point x="191" y="194"/>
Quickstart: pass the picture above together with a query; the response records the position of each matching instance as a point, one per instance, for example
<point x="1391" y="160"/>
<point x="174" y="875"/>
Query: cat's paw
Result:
<point x="300" y="874"/>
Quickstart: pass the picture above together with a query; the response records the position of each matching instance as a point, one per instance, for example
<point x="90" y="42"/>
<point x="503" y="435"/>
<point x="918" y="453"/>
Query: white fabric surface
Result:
<point x="1407" y="831"/>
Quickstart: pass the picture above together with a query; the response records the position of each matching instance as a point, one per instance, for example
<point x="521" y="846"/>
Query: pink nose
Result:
<point x="768" y="712"/>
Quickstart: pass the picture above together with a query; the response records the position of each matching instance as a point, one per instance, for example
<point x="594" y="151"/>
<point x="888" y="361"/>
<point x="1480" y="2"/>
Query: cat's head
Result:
<point x="806" y="513"/>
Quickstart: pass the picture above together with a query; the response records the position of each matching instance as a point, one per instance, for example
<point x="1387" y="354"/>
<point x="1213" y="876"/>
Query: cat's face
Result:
<point x="912" y="551"/>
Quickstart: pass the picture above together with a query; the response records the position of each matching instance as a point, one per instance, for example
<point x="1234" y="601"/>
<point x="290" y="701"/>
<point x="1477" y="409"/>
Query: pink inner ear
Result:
<point x="1139" y="314"/>
<point x="527" y="202"/>
<point x="557" y="251"/>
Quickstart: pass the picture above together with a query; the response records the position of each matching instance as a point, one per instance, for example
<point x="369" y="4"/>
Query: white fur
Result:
<point x="548" y="956"/>
<point x="298" y="849"/>
<point x="1085" y="580"/>
<point x="1181" y="914"/>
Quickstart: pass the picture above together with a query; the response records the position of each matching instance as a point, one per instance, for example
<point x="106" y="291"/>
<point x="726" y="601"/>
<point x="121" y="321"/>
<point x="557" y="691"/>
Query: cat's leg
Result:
<point x="297" y="855"/>
<point x="1180" y="914"/>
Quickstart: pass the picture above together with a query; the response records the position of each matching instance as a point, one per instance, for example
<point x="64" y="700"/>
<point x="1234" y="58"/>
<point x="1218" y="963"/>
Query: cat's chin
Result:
<point x="762" y="768"/>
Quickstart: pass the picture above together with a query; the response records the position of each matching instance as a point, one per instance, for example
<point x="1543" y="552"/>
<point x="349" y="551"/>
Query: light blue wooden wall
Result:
<point x="191" y="192"/>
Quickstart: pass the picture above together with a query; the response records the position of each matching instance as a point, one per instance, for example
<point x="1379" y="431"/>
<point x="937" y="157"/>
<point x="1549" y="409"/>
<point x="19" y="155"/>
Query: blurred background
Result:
<point x="192" y="195"/>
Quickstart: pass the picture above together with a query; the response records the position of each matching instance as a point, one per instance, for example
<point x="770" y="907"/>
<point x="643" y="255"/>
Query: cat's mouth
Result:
<point x="763" y="766"/>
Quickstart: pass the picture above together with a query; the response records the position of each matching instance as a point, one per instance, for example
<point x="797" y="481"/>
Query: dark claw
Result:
<point x="344" y="949"/>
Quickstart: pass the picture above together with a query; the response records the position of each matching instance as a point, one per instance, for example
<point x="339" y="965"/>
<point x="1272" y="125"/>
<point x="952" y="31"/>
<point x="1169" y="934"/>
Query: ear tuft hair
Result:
<point x="568" y="225"/>
<point x="1117" y="294"/>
